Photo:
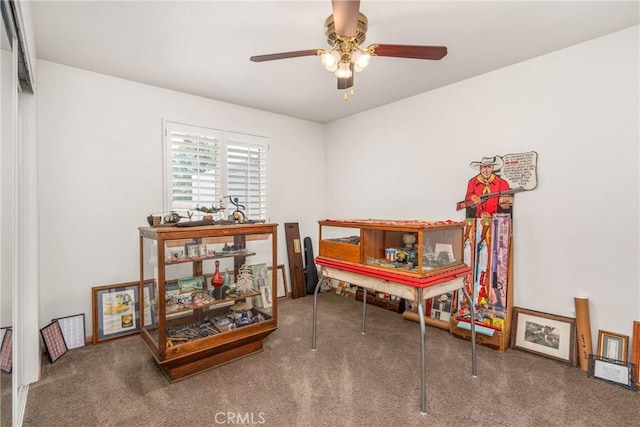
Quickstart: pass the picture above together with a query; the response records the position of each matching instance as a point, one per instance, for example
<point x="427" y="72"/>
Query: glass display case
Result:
<point x="209" y="293"/>
<point x="412" y="248"/>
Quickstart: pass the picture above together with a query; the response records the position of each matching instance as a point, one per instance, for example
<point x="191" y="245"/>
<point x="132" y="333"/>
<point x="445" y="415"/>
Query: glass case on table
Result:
<point x="414" y="248"/>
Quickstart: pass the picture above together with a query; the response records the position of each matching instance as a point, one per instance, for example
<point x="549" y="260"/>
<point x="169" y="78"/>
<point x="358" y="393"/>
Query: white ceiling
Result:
<point x="203" y="47"/>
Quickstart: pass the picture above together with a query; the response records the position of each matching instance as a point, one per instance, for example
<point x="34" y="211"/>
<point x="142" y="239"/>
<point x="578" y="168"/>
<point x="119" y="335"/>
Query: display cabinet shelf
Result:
<point x="204" y="258"/>
<point x="208" y="305"/>
<point x="226" y="301"/>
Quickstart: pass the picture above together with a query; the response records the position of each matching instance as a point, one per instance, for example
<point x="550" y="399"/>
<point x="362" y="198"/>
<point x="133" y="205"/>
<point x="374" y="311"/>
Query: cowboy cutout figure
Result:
<point x="486" y="191"/>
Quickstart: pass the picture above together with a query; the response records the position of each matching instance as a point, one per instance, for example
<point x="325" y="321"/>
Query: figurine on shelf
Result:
<point x="408" y="239"/>
<point x="244" y="284"/>
<point x="172" y="217"/>
<point x="238" y="215"/>
<point x="241" y="313"/>
<point x="217" y="211"/>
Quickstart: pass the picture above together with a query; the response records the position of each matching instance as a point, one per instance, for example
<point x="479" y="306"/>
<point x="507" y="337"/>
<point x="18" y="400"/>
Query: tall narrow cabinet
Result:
<point x="194" y="319"/>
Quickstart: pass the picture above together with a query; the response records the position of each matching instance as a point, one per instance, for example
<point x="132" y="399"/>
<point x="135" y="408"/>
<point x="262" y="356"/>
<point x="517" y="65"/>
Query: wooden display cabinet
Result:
<point x="190" y="326"/>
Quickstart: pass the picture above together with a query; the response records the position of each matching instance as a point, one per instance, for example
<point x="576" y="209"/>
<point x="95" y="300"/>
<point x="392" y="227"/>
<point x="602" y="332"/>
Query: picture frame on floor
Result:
<point x="612" y="371"/>
<point x="73" y="330"/>
<point x="54" y="340"/>
<point x="635" y="349"/>
<point x="116" y="311"/>
<point x="613" y="346"/>
<point x="281" y="282"/>
<point x="545" y="334"/>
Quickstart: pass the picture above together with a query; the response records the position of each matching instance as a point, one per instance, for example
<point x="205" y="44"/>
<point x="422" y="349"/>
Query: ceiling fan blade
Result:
<point x="409" y="51"/>
<point x="284" y="55"/>
<point x="346" y="82"/>
<point x="345" y="16"/>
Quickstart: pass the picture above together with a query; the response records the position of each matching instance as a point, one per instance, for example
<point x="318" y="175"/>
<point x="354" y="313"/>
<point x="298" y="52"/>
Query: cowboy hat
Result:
<point x="494" y="161"/>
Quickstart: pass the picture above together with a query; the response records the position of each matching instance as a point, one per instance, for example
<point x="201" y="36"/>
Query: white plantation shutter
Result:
<point x="247" y="172"/>
<point x="203" y="165"/>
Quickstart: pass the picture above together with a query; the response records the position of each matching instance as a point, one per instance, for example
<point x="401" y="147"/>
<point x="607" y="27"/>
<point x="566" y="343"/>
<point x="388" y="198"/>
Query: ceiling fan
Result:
<point x="346" y="30"/>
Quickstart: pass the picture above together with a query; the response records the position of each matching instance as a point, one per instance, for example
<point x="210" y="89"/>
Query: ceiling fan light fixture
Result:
<point x="344" y="70"/>
<point x="330" y="59"/>
<point x="360" y="60"/>
<point x="346" y="31"/>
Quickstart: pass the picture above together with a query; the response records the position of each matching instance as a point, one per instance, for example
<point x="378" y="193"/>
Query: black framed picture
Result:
<point x="613" y="371"/>
<point x="54" y="340"/>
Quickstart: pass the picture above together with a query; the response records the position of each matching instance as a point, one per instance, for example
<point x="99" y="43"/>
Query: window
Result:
<point x="204" y="165"/>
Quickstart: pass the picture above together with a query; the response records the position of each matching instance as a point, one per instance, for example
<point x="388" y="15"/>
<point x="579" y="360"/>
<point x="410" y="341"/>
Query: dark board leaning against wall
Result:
<point x="294" y="251"/>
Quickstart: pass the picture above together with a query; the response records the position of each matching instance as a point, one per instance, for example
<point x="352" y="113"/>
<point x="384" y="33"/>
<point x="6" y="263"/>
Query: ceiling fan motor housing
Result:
<point x="361" y="30"/>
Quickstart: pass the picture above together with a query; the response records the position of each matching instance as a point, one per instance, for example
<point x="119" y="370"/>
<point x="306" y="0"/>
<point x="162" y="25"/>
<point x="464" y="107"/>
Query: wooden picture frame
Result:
<point x="6" y="350"/>
<point x="54" y="340"/>
<point x="613" y="346"/>
<point x="73" y="330"/>
<point x="545" y="334"/>
<point x="116" y="311"/>
<point x="281" y="282"/>
<point x="635" y="350"/>
<point x="612" y="371"/>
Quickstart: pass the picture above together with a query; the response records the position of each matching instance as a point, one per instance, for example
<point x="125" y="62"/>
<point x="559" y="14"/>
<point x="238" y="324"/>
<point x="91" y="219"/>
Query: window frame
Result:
<point x="225" y="139"/>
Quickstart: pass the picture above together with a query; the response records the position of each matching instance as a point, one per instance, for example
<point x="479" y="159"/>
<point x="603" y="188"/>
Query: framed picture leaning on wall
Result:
<point x="545" y="334"/>
<point x="116" y="311"/>
<point x="613" y="346"/>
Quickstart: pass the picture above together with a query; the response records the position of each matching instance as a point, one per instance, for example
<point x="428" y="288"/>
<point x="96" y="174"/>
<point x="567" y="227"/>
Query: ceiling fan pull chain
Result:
<point x="346" y="94"/>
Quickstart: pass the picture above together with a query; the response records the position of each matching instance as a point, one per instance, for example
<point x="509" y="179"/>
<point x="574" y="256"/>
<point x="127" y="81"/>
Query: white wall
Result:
<point x="576" y="234"/>
<point x="100" y="151"/>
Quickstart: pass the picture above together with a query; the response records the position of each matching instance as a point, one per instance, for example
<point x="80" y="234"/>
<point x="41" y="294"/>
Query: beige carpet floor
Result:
<point x="351" y="380"/>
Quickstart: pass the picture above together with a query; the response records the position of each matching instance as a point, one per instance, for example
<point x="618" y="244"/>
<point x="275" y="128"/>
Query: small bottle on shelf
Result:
<point x="217" y="281"/>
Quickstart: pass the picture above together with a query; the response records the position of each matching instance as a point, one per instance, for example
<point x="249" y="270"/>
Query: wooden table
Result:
<point x="410" y="288"/>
